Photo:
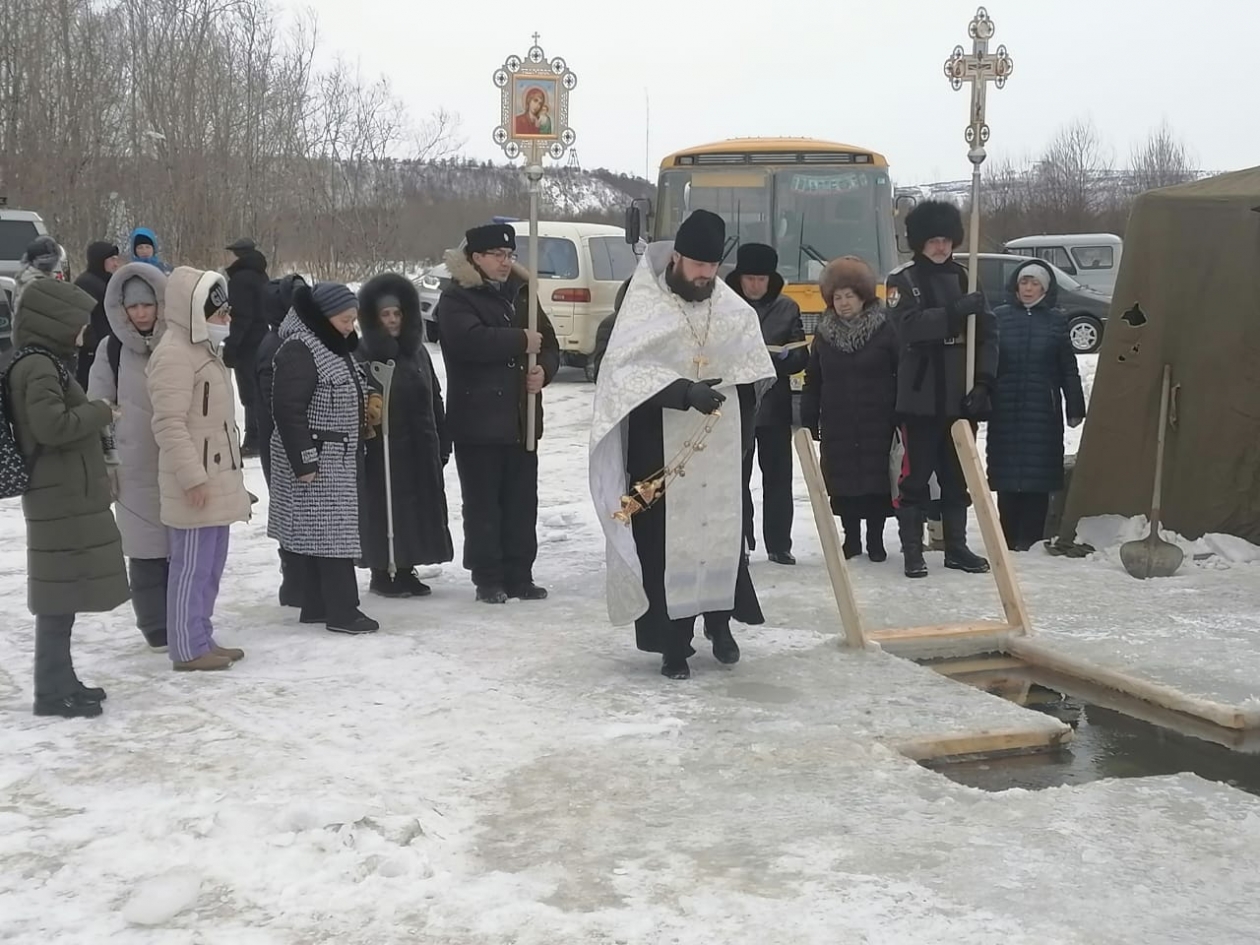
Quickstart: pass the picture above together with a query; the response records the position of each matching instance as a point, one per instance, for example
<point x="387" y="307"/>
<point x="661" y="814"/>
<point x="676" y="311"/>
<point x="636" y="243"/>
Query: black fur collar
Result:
<point x="305" y="308"/>
<point x="377" y="342"/>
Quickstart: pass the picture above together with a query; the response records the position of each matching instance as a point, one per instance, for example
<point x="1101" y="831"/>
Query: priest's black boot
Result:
<point x="718" y="631"/>
<point x="491" y="594"/>
<point x="852" y="526"/>
<point x="910" y="526"/>
<point x="527" y="591"/>
<point x="675" y="667"/>
<point x="958" y="556"/>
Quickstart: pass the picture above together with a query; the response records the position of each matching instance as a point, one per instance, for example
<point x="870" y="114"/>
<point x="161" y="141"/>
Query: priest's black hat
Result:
<point x="701" y="237"/>
<point x="492" y="236"/>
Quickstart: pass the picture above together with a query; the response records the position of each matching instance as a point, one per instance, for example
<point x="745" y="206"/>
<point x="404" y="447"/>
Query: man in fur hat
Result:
<point x="484" y="321"/>
<point x="929" y="303"/>
<point x="756" y="280"/>
<point x="683" y="345"/>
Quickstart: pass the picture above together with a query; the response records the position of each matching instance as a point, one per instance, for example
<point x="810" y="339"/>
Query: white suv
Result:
<point x="18" y="229"/>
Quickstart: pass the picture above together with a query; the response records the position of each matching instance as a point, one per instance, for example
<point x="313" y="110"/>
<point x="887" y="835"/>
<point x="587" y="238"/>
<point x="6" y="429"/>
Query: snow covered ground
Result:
<point x="522" y="775"/>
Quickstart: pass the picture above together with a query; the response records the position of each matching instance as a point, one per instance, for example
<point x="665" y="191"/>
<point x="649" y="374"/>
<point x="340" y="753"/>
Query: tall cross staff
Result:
<point x="980" y="68"/>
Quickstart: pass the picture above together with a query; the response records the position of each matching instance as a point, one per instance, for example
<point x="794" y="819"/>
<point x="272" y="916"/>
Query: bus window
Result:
<point x="822" y="213"/>
<point x="741" y="198"/>
<point x="1093" y="258"/>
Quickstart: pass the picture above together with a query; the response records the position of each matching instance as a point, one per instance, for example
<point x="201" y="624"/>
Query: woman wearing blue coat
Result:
<point x="1037" y="382"/>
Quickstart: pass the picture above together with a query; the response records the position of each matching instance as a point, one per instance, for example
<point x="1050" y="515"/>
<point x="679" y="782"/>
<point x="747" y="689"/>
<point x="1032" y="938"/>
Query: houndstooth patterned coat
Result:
<point x="317" y="403"/>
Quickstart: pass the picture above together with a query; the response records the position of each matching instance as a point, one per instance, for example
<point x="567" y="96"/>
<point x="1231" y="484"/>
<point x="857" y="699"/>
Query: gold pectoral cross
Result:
<point x="699" y="361"/>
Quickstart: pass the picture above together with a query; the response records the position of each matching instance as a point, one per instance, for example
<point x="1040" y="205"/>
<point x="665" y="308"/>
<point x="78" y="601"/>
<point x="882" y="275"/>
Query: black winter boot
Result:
<point x="875" y="539"/>
<point x="852" y="526"/>
<point x="958" y="557"/>
<point x="718" y="631"/>
<point x="410" y="582"/>
<point x="910" y="526"/>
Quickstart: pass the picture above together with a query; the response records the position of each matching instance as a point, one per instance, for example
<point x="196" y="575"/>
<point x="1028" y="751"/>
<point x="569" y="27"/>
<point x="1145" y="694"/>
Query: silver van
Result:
<point x="1092" y="259"/>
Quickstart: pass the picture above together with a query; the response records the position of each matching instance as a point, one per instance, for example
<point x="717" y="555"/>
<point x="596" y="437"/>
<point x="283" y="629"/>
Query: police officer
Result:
<point x="929" y="304"/>
<point x="486" y="341"/>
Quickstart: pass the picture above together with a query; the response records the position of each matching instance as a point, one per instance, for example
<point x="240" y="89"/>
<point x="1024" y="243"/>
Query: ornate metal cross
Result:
<point x="980" y="68"/>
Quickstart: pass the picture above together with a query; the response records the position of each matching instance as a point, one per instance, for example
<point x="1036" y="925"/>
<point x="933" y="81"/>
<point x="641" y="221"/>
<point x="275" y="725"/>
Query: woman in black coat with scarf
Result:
<point x="1037" y="381"/>
<point x="390" y="322"/>
<point x="849" y="402"/>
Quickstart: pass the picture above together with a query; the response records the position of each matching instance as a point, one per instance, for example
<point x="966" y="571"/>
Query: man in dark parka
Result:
<point x="102" y="260"/>
<point x="247" y="294"/>
<point x="756" y="280"/>
<point x="74" y="552"/>
<point x="483" y="320"/>
<point x="928" y="302"/>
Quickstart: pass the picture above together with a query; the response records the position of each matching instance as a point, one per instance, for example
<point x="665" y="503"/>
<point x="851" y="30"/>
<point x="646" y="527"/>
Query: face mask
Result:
<point x="218" y="333"/>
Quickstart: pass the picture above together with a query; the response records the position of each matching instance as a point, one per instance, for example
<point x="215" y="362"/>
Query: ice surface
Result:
<point x="160" y="899"/>
<point x="522" y="775"/>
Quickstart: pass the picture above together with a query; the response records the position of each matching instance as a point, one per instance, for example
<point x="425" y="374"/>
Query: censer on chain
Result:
<point x="647" y="492"/>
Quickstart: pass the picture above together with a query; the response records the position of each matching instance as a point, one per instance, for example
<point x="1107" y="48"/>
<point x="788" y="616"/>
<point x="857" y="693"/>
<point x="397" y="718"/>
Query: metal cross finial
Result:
<point x="536" y="36"/>
<point x="979" y="68"/>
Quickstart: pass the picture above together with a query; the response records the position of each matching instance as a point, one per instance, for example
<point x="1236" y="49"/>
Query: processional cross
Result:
<point x="979" y="68"/>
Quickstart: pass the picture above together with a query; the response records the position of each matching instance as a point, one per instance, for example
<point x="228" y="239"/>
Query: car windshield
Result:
<point x="15" y="236"/>
<point x="810" y="214"/>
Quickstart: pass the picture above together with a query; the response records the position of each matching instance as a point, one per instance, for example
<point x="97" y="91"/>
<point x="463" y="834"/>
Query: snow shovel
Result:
<point x="384" y="375"/>
<point x="1152" y="556"/>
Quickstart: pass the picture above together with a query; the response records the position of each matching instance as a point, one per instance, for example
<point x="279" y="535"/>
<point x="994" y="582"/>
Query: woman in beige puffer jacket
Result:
<point x="199" y="461"/>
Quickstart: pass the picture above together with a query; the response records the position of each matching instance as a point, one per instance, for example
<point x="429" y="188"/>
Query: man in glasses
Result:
<point x="483" y="321"/>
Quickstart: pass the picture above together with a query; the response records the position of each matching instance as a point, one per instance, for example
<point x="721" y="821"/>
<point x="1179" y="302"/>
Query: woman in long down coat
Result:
<point x="74" y="560"/>
<point x="849" y="402"/>
<point x="1037" y="382"/>
<point x="318" y="406"/>
<point x="392" y="330"/>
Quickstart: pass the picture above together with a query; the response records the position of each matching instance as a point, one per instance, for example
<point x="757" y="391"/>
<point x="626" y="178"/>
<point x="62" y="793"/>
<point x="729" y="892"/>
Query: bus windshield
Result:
<point x="810" y="214"/>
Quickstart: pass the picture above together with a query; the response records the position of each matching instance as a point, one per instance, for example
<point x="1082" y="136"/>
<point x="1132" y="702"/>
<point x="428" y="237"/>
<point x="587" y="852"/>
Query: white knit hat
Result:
<point x="1036" y="271"/>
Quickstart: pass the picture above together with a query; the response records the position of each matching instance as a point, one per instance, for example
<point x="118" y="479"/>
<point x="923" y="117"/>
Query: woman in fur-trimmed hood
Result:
<point x="318" y="406"/>
<point x="849" y="402"/>
<point x="419" y="446"/>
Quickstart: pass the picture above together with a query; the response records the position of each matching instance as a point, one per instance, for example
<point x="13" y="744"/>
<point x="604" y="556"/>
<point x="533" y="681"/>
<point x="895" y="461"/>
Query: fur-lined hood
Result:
<point x="186" y="292"/>
<point x="378" y="344"/>
<point x="311" y="318"/>
<point x="118" y="321"/>
<point x="468" y="276"/>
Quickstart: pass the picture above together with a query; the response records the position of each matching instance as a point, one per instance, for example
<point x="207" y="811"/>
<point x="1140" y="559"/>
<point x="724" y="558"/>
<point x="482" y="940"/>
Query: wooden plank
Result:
<point x="984" y="743"/>
<point x="991" y="529"/>
<point x="977" y="628"/>
<point x="963" y="666"/>
<point x="829" y="535"/>
<point x="1155" y="693"/>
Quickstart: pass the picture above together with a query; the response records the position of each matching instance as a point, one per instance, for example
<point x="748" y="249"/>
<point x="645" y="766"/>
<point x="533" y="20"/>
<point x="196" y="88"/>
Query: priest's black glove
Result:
<point x="703" y="397"/>
<point x="958" y="310"/>
<point x="978" y="405"/>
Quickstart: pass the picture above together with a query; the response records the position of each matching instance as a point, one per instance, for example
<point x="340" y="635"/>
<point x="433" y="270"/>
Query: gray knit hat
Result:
<point x="137" y="291"/>
<point x="333" y="298"/>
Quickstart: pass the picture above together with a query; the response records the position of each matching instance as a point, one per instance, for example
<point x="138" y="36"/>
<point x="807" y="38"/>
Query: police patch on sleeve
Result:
<point x="892" y="297"/>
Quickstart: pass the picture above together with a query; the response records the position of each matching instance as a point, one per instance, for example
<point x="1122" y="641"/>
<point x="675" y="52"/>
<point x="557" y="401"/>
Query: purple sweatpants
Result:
<point x="198" y="556"/>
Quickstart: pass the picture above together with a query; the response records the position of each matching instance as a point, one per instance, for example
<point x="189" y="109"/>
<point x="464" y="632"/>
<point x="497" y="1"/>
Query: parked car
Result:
<point x="1085" y="308"/>
<point x="583" y="265"/>
<point x="18" y="229"/>
<point x="1092" y="259"/>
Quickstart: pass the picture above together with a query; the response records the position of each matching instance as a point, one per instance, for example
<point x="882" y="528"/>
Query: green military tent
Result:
<point x="1188" y="295"/>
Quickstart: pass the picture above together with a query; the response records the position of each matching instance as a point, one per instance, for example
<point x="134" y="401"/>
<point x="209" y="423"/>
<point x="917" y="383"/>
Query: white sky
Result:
<point x="868" y="73"/>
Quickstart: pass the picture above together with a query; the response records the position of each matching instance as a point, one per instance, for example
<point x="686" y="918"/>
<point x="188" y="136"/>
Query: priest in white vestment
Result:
<point x="684" y="347"/>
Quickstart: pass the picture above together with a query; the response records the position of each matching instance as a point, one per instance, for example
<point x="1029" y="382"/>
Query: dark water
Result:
<point x="1109" y="742"/>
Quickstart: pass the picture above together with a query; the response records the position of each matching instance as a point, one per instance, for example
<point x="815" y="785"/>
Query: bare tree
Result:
<point x="1162" y="160"/>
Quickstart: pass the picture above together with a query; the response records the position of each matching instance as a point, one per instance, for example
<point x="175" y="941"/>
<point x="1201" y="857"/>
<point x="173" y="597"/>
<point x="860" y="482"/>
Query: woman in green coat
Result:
<point x="74" y="553"/>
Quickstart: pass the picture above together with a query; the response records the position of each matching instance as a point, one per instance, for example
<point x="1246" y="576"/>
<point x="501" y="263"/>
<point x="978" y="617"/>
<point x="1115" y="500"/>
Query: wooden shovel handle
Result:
<point x="1157" y="497"/>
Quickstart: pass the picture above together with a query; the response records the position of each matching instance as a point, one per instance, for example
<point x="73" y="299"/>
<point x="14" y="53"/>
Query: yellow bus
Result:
<point x="811" y="200"/>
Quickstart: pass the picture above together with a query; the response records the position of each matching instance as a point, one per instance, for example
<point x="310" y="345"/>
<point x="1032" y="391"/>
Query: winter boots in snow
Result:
<point x="205" y="663"/>
<point x="718" y="631"/>
<point x="852" y="547"/>
<point x="781" y="557"/>
<point x="910" y="527"/>
<point x="958" y="556"/>
<point x="402" y="584"/>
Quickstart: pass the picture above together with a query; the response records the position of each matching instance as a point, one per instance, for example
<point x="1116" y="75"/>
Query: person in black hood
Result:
<point x="756" y="280"/>
<point x="102" y="259"/>
<point x="279" y="303"/>
<point x="247" y="292"/>
<point x="928" y="302"/>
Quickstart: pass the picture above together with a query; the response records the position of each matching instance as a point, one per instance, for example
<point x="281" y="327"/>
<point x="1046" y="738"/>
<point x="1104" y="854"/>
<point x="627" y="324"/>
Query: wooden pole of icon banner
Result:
<point x="521" y="80"/>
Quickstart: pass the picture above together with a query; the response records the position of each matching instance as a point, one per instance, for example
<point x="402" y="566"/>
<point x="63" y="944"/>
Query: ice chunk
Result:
<point x="160" y="899"/>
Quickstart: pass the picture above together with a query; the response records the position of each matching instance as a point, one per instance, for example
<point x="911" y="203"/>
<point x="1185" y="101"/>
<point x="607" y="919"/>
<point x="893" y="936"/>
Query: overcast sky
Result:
<point x="867" y="73"/>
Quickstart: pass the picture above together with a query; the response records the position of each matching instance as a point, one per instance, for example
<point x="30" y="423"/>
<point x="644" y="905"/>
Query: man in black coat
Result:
<point x="483" y="321"/>
<point x="756" y="280"/>
<point x="247" y="294"/>
<point x="929" y="304"/>
<point x="102" y="259"/>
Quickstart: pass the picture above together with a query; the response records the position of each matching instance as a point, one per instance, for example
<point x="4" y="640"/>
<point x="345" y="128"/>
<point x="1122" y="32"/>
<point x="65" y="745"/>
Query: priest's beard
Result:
<point x="695" y="291"/>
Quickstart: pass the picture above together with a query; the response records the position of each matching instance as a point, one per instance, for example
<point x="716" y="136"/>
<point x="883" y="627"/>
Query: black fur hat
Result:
<point x="756" y="259"/>
<point x="930" y="219"/>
